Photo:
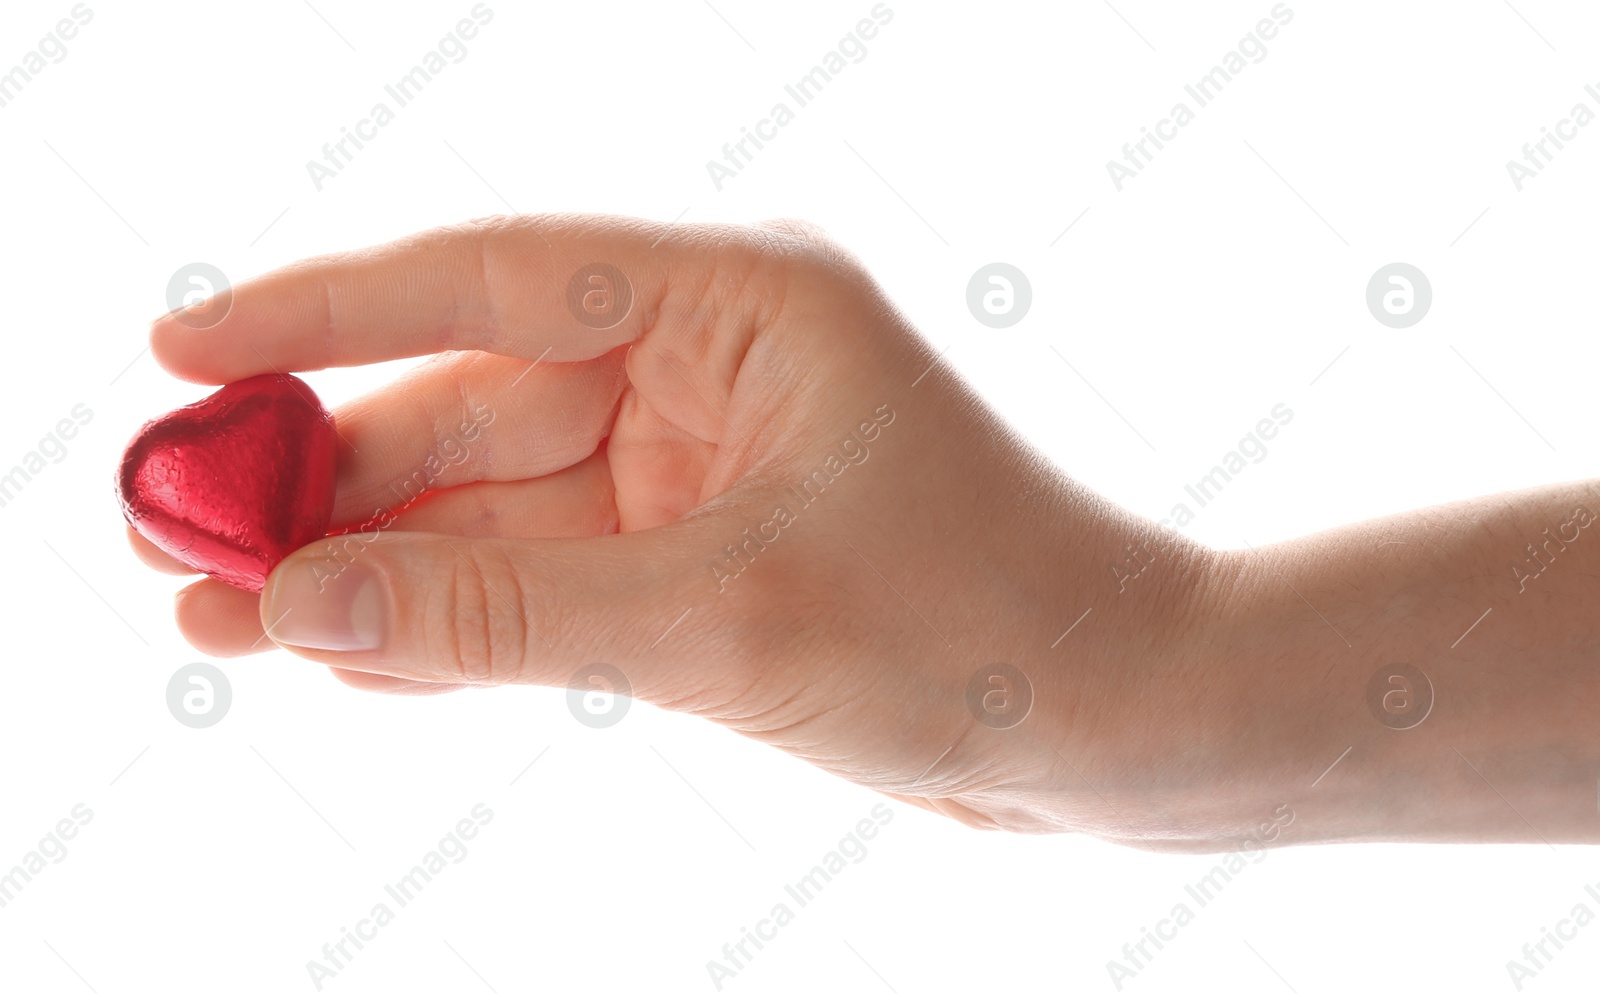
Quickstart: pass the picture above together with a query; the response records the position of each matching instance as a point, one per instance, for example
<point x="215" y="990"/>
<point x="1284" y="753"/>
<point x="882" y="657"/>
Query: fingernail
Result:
<point x="327" y="604"/>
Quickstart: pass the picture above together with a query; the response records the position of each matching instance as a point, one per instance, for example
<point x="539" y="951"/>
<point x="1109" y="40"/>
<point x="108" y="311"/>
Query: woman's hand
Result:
<point x="719" y="460"/>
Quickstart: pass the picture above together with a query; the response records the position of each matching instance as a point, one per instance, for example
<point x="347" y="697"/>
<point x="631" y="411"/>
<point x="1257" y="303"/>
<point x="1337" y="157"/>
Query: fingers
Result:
<point x="220" y="620"/>
<point x="223" y="621"/>
<point x="498" y="285"/>
<point x="659" y="468"/>
<point x="460" y="421"/>
<point x="575" y="502"/>
<point x="435" y="608"/>
<point x="470" y="417"/>
<point x="949" y="807"/>
<point x="154" y="557"/>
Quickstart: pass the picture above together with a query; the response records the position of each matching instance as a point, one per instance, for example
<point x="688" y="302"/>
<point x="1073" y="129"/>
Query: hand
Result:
<point x="759" y="495"/>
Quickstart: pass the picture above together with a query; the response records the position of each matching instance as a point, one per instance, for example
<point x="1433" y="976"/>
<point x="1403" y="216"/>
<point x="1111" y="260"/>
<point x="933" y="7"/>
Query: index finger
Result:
<point x="559" y="288"/>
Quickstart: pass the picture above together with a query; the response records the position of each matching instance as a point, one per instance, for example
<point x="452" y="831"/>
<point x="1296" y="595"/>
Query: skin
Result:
<point x="1217" y="700"/>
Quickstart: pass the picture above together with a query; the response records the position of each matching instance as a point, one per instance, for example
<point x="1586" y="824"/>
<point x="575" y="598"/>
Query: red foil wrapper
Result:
<point x="231" y="485"/>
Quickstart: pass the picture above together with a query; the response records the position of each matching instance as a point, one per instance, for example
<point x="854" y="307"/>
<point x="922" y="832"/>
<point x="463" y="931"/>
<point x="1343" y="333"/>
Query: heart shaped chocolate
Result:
<point x="231" y="485"/>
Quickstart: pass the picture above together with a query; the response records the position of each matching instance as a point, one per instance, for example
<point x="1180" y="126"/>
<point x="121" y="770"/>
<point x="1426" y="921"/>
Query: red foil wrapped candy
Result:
<point x="231" y="485"/>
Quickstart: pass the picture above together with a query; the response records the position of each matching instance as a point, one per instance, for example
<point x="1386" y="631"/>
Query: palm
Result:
<point x="683" y="430"/>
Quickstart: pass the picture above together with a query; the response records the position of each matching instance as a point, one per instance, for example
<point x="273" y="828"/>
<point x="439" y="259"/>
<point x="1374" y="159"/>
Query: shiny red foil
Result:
<point x="231" y="485"/>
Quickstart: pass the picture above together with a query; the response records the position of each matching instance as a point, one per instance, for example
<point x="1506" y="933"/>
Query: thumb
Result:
<point x="439" y="608"/>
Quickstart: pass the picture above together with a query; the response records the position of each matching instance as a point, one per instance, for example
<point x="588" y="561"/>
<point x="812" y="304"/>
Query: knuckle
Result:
<point x="757" y="272"/>
<point x="802" y="247"/>
<point x="797" y="226"/>
<point x="817" y="273"/>
<point x="795" y="233"/>
<point x="805" y="241"/>
<point x="489" y="224"/>
<point x="480" y="630"/>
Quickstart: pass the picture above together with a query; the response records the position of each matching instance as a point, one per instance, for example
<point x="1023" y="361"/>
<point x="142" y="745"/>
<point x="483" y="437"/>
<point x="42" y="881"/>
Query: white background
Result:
<point x="1223" y="280"/>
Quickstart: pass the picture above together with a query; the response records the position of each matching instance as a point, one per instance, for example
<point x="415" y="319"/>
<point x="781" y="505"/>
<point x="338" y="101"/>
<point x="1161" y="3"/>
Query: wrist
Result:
<point x="1135" y="730"/>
